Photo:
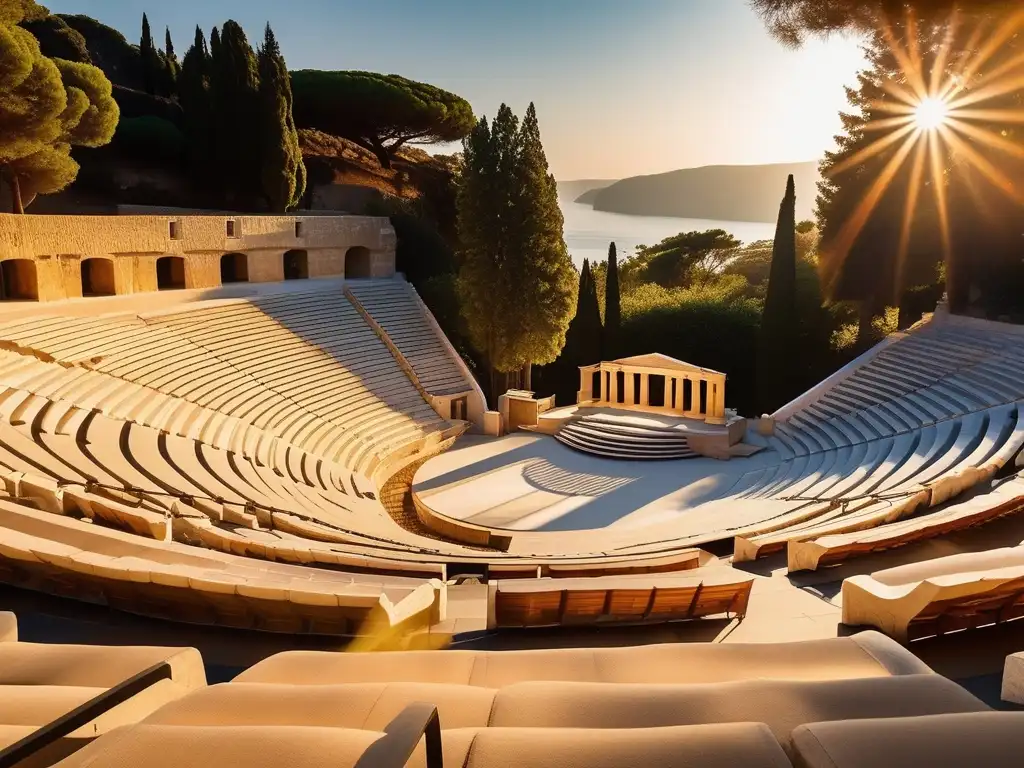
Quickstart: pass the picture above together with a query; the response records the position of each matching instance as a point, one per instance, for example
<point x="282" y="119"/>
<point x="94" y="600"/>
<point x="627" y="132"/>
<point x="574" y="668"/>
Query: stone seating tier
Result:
<point x="396" y="307"/>
<point x="940" y="595"/>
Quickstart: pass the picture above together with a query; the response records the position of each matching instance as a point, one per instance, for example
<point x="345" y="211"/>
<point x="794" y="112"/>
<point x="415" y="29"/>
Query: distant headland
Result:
<point x="718" y="192"/>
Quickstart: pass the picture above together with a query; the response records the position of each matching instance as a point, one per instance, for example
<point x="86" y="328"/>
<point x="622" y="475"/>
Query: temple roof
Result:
<point x="658" y="360"/>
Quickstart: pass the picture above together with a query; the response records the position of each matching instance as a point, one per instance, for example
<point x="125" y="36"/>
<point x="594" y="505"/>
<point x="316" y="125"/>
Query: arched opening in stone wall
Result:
<point x="357" y="262"/>
<point x="170" y="273"/>
<point x="234" y="268"/>
<point x="296" y="265"/>
<point x="98" y="277"/>
<point x="18" y="281"/>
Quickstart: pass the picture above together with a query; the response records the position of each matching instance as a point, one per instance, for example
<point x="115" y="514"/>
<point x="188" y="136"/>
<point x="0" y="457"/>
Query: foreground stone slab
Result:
<point x="1013" y="679"/>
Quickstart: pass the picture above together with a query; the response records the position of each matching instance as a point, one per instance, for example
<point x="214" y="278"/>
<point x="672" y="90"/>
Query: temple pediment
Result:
<point x="658" y="360"/>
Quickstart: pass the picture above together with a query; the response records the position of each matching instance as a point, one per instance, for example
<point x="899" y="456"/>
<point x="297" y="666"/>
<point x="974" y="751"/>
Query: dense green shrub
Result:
<point x="150" y="139"/>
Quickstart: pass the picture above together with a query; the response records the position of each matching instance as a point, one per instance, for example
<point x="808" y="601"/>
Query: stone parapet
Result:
<point x="46" y="253"/>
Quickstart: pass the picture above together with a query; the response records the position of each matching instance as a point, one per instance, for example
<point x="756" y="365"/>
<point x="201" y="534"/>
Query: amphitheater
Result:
<point x="254" y="423"/>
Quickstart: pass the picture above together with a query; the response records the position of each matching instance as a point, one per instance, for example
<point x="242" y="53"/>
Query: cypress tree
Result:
<point x="152" y="67"/>
<point x="194" y="95"/>
<point x="542" y="275"/>
<point x="775" y="364"/>
<point x="612" y="306"/>
<point x="171" y="68"/>
<point x="480" y="302"/>
<point x="582" y="341"/>
<point x="234" y="97"/>
<point x="214" y="43"/>
<point x="516" y="283"/>
<point x="281" y="156"/>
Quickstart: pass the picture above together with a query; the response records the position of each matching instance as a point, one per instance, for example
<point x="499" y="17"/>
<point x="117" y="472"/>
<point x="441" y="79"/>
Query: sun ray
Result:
<point x="909" y="59"/>
<point x="913" y="192"/>
<point x="1005" y="116"/>
<point x="888" y="107"/>
<point x="993" y="140"/>
<point x="1002" y="34"/>
<point x="889" y="122"/>
<point x="939" y="189"/>
<point x="991" y="91"/>
<point x="897" y="91"/>
<point x="875" y="147"/>
<point x="855" y="223"/>
<point x="942" y="60"/>
<point x="954" y="80"/>
<point x="995" y="176"/>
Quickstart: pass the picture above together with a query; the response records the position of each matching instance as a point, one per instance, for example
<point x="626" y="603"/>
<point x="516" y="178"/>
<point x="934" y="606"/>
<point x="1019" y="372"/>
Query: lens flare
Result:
<point x="932" y="109"/>
<point x="931" y="114"/>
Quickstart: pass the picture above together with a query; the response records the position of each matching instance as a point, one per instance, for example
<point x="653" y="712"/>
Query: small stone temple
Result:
<point x="656" y="383"/>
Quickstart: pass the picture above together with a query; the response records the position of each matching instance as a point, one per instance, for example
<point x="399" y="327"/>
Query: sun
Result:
<point x="931" y="114"/>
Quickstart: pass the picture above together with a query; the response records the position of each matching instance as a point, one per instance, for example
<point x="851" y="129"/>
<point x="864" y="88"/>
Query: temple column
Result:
<point x="586" y="391"/>
<point x="693" y="412"/>
<point x="613" y="387"/>
<point x="716" y="407"/>
<point x="677" y="401"/>
<point x="630" y="386"/>
<point x="645" y="389"/>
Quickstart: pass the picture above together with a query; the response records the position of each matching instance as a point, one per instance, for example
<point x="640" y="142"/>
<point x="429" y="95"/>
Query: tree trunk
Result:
<point x="865" y="330"/>
<point x="15" y="187"/>
<point x="383" y="155"/>
<point x="527" y="377"/>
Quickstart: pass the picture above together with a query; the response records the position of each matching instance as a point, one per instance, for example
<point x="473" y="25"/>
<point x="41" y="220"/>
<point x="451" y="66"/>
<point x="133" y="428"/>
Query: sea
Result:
<point x="588" y="232"/>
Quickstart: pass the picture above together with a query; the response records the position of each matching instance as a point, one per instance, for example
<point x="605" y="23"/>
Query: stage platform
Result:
<point x="557" y="499"/>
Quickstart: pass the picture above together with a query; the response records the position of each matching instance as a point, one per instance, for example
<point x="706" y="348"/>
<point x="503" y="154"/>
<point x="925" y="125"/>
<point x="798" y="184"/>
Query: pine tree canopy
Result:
<point x="48" y="105"/>
<point x="97" y="122"/>
<point x="378" y="112"/>
<point x="58" y="40"/>
<point x="792" y="21"/>
<point x="683" y="260"/>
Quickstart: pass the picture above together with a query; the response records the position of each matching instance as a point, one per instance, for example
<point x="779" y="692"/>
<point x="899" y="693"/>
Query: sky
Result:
<point x="622" y="87"/>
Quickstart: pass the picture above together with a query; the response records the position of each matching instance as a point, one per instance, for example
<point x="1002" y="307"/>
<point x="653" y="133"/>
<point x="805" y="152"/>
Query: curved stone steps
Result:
<point x="614" y="441"/>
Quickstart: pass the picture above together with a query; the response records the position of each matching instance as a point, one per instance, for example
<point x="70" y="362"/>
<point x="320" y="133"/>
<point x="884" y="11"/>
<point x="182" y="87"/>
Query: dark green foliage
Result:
<point x="48" y="105"/>
<point x="589" y="315"/>
<point x="135" y="103"/>
<point x="776" y="351"/>
<point x="516" y="281"/>
<point x="58" y="40"/>
<point x="679" y="261"/>
<point x="715" y="332"/>
<point x="152" y="66"/>
<point x="582" y="343"/>
<point x="792" y="21"/>
<point x="421" y="251"/>
<point x="109" y="50"/>
<point x="150" y="139"/>
<point x="378" y="112"/>
<point x="234" y="100"/>
<point x="282" y="180"/>
<point x="194" y="95"/>
<point x="612" y="306"/>
<point x="171" y="68"/>
<point x="862" y="263"/>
